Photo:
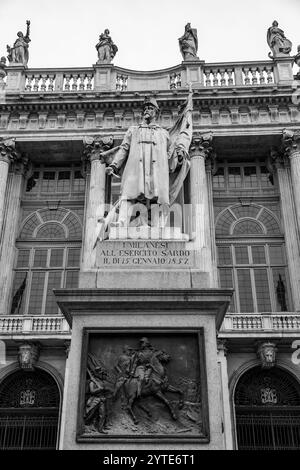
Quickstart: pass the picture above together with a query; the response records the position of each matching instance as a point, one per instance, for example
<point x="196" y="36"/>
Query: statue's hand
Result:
<point x="28" y="22"/>
<point x="180" y="155"/>
<point x="112" y="170"/>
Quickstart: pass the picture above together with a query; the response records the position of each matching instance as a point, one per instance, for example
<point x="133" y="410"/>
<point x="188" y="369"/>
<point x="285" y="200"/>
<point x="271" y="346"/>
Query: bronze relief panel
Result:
<point x="143" y="384"/>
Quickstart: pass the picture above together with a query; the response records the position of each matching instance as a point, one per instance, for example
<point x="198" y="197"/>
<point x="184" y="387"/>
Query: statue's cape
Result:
<point x="180" y="137"/>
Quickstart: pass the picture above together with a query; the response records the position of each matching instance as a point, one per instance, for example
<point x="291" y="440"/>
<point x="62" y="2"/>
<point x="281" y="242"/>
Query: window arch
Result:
<point x="48" y="257"/>
<point x="29" y="408"/>
<point x="267" y="408"/>
<point x="253" y="215"/>
<point x="251" y="258"/>
<point x="51" y="224"/>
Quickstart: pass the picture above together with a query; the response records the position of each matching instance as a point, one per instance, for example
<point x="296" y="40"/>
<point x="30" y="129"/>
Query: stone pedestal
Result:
<point x="180" y="324"/>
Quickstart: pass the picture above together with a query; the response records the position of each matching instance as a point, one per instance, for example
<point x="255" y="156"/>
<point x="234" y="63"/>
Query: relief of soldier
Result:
<point x="139" y="373"/>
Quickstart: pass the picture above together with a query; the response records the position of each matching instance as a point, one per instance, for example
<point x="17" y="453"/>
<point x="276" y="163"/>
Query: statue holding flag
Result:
<point x="152" y="164"/>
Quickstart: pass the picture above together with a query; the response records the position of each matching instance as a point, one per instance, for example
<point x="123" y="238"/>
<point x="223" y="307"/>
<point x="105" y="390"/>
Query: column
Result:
<point x="95" y="198"/>
<point x="63" y="413"/>
<point x="7" y="155"/>
<point x="290" y="218"/>
<point x="201" y="230"/>
<point x="291" y="148"/>
<point x="225" y="399"/>
<point x="210" y="167"/>
<point x="10" y="231"/>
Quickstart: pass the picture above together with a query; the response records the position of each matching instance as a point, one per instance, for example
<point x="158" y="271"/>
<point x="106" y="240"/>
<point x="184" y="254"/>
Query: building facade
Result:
<point x="244" y="175"/>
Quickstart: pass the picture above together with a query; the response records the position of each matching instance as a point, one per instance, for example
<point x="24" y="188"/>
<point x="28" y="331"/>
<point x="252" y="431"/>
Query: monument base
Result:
<point x="152" y="354"/>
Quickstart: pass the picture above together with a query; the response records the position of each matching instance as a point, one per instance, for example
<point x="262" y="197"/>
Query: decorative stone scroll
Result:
<point x="148" y="384"/>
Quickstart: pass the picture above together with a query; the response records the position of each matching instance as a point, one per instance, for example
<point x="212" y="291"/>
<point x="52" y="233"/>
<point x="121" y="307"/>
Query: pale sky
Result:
<point x="64" y="32"/>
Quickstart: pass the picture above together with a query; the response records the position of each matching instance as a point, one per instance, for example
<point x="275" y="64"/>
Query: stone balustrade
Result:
<point x="56" y="80"/>
<point x="266" y="322"/>
<point x="33" y="324"/>
<point x="117" y="79"/>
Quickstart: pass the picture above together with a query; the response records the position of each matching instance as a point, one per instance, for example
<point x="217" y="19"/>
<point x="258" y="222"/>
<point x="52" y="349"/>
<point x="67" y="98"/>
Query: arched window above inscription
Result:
<point x="51" y="224"/>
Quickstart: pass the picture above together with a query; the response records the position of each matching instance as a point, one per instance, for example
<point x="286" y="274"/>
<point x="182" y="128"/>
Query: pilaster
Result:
<point x="281" y="165"/>
<point x="95" y="196"/>
<point x="10" y="231"/>
<point x="225" y="398"/>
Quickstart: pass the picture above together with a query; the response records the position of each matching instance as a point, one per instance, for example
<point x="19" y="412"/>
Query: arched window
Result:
<point x="267" y="409"/>
<point x="48" y="257"/>
<point x="29" y="407"/>
<point x="251" y="258"/>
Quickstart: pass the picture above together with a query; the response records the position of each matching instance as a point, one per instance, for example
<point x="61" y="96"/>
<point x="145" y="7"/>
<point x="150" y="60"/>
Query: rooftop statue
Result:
<point x="152" y="164"/>
<point x="278" y="43"/>
<point x="18" y="54"/>
<point x="106" y="48"/>
<point x="297" y="62"/>
<point x="2" y="72"/>
<point x="188" y="43"/>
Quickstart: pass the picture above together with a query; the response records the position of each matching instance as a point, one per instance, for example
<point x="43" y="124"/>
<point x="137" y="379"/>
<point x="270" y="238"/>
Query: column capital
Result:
<point x="201" y="145"/>
<point x="93" y="147"/>
<point x="277" y="159"/>
<point x="23" y="166"/>
<point x="8" y="151"/>
<point x="290" y="142"/>
<point x="222" y="346"/>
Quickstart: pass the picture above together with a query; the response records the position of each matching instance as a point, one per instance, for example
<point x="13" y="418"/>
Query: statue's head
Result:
<point x="20" y="34"/>
<point x="106" y="31"/>
<point x="127" y="349"/>
<point x="150" y="108"/>
<point x="144" y="342"/>
<point x="3" y="60"/>
<point x="275" y="23"/>
<point x="188" y="26"/>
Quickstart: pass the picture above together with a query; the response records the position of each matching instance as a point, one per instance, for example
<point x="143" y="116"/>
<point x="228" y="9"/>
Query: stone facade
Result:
<point x="243" y="192"/>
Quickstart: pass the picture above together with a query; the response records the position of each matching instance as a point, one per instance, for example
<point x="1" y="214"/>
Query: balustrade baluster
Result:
<point x="247" y="79"/>
<point x="261" y="76"/>
<point x="253" y="73"/>
<point x="223" y="80"/>
<point x="207" y="78"/>
<point x="36" y="82"/>
<point x="269" y="75"/>
<point x="51" y="83"/>
<point x="43" y="84"/>
<point x="230" y="77"/>
<point x="67" y="83"/>
<point x="89" y="81"/>
<point x="74" y="85"/>
<point x="82" y="79"/>
<point x="215" y="78"/>
<point x="29" y="83"/>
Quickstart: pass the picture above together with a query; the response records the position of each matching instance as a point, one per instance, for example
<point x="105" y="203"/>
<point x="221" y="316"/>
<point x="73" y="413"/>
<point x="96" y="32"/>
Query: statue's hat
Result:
<point x="152" y="101"/>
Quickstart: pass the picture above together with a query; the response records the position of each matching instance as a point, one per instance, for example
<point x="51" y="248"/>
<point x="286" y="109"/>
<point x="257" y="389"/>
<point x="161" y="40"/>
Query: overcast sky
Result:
<point x="64" y="32"/>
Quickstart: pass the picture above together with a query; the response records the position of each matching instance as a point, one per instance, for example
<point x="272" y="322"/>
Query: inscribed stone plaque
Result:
<point x="143" y="384"/>
<point x="144" y="254"/>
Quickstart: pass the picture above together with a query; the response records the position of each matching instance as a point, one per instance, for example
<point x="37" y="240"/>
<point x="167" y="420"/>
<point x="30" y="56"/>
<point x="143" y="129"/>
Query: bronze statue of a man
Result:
<point x="152" y="162"/>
